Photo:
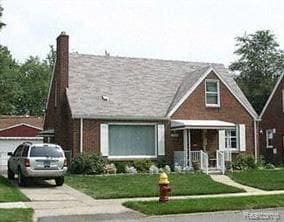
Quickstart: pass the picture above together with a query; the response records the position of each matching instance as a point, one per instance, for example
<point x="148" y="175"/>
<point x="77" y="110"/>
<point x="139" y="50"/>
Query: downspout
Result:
<point x="81" y="135"/>
<point x="255" y="141"/>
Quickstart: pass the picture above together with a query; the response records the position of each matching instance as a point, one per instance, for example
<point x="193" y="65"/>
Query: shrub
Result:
<point x="195" y="165"/>
<point x="110" y="168"/>
<point x="228" y="165"/>
<point x="161" y="162"/>
<point x="131" y="170"/>
<point x="120" y="166"/>
<point x="153" y="169"/>
<point x="87" y="164"/>
<point x="244" y="162"/>
<point x="269" y="166"/>
<point x="167" y="169"/>
<point x="178" y="169"/>
<point x="142" y="166"/>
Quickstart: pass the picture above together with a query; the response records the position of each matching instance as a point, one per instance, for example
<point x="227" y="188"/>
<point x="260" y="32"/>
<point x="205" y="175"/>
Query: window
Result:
<point x="46" y="151"/>
<point x="132" y="140"/>
<point x="231" y="141"/>
<point x="269" y="138"/>
<point x="212" y="93"/>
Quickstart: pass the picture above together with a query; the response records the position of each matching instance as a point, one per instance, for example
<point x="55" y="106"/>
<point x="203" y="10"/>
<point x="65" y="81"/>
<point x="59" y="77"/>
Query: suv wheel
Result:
<point x="11" y="175"/>
<point x="59" y="181"/>
<point x="21" y="178"/>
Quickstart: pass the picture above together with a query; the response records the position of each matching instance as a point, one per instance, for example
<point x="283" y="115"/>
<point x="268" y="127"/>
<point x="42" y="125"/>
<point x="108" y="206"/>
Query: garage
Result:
<point x="15" y="130"/>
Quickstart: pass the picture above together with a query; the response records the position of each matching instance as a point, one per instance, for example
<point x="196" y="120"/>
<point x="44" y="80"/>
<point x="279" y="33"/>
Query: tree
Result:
<point x="51" y="58"/>
<point x="259" y="65"/>
<point x="34" y="83"/>
<point x="8" y="82"/>
<point x="1" y="12"/>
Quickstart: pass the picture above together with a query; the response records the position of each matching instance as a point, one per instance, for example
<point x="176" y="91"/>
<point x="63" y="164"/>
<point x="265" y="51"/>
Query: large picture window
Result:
<point x="231" y="141"/>
<point x="132" y="140"/>
<point x="212" y="93"/>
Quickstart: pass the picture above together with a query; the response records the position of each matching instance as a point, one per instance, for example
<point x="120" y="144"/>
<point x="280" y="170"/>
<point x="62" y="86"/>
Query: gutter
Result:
<point x="81" y="135"/>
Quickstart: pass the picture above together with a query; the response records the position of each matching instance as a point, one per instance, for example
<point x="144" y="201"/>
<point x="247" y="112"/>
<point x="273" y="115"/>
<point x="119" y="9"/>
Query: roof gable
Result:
<point x="271" y="95"/>
<point x="228" y="81"/>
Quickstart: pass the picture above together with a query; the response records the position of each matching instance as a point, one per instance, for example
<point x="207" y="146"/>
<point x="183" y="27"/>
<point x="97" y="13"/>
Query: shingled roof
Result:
<point x="120" y="87"/>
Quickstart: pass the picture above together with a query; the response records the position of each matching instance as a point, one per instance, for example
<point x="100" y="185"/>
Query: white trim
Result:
<point x="21" y="138"/>
<point x="271" y="95"/>
<point x="20" y="124"/>
<point x="218" y="93"/>
<point x="161" y="139"/>
<point x="211" y="69"/>
<point x="81" y="135"/>
<point x="131" y="157"/>
<point x="255" y="141"/>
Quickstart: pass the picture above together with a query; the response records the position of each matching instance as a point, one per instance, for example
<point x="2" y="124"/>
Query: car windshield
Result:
<point x="46" y="151"/>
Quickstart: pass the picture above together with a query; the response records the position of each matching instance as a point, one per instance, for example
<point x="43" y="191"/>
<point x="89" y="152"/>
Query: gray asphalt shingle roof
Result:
<point x="136" y="87"/>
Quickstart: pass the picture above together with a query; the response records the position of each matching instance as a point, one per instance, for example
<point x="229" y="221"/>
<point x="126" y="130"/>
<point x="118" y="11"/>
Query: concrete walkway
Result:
<point x="228" y="181"/>
<point x="9" y="205"/>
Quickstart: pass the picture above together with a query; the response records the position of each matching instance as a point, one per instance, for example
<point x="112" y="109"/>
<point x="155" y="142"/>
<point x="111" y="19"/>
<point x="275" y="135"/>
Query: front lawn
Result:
<point x="206" y="204"/>
<point x="262" y="179"/>
<point x="15" y="215"/>
<point x="9" y="192"/>
<point x="126" y="186"/>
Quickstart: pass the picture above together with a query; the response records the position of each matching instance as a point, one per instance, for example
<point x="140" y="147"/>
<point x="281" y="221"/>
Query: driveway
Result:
<point x="48" y="200"/>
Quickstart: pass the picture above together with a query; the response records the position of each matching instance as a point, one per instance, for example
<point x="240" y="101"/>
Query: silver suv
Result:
<point x="42" y="161"/>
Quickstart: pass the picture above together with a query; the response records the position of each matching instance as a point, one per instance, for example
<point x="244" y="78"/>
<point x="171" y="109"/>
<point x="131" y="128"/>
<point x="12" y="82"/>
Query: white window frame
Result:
<point x="218" y="92"/>
<point x="126" y="157"/>
<point x="230" y="138"/>
<point x="267" y="132"/>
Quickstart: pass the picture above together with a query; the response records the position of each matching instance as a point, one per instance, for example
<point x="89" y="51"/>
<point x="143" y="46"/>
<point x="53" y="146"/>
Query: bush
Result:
<point x="110" y="168"/>
<point x="195" y="165"/>
<point x="153" y="169"/>
<point x="143" y="166"/>
<point x="269" y="166"/>
<point x="120" y="166"/>
<point x="244" y="162"/>
<point x="87" y="164"/>
<point x="161" y="162"/>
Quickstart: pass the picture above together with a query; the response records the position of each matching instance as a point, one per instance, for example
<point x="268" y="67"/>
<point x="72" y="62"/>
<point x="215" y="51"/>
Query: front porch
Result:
<point x="208" y="143"/>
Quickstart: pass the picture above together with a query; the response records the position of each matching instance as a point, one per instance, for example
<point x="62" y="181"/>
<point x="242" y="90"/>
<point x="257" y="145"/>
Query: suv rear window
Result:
<point x="45" y="151"/>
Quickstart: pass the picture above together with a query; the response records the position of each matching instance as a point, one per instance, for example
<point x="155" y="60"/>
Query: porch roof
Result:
<point x="201" y="124"/>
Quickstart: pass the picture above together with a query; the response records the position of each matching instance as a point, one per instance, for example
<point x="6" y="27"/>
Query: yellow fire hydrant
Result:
<point x="164" y="188"/>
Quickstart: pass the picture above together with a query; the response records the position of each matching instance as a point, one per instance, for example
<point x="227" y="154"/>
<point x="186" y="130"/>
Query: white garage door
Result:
<point x="9" y="145"/>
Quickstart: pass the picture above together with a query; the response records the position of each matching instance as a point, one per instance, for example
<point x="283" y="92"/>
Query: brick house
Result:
<point x="272" y="125"/>
<point x="129" y="108"/>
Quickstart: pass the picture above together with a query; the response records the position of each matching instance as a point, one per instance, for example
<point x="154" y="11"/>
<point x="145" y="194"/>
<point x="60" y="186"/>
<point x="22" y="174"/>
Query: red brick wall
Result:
<point x="20" y="131"/>
<point x="273" y="118"/>
<point x="230" y="110"/>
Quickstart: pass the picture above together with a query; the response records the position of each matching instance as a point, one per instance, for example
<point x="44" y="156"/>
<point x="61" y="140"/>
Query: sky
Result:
<point x="192" y="30"/>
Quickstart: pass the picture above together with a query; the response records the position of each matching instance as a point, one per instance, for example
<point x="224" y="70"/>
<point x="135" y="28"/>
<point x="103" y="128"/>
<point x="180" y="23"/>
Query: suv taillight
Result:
<point x="65" y="163"/>
<point x="27" y="163"/>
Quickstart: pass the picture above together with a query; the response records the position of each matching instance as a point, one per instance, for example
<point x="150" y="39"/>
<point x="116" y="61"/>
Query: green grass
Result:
<point x="262" y="179"/>
<point x="125" y="186"/>
<point x="16" y="215"/>
<point x="206" y="204"/>
<point x="9" y="192"/>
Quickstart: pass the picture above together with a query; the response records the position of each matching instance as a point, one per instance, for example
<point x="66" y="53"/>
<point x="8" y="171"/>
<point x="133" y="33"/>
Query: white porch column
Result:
<point x="185" y="147"/>
<point x="189" y="148"/>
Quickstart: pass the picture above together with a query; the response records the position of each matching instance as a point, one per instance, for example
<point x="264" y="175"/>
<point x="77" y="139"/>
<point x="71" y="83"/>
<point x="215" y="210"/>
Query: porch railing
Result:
<point x="220" y="161"/>
<point x="200" y="157"/>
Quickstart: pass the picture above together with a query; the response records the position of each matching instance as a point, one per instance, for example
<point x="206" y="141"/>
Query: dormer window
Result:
<point x="212" y="93"/>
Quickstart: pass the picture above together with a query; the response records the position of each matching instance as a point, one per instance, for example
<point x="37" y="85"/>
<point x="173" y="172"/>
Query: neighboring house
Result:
<point x="15" y="130"/>
<point x="129" y="108"/>
<point x="272" y="125"/>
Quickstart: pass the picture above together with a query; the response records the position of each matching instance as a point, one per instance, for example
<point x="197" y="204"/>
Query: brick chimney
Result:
<point x="62" y="63"/>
